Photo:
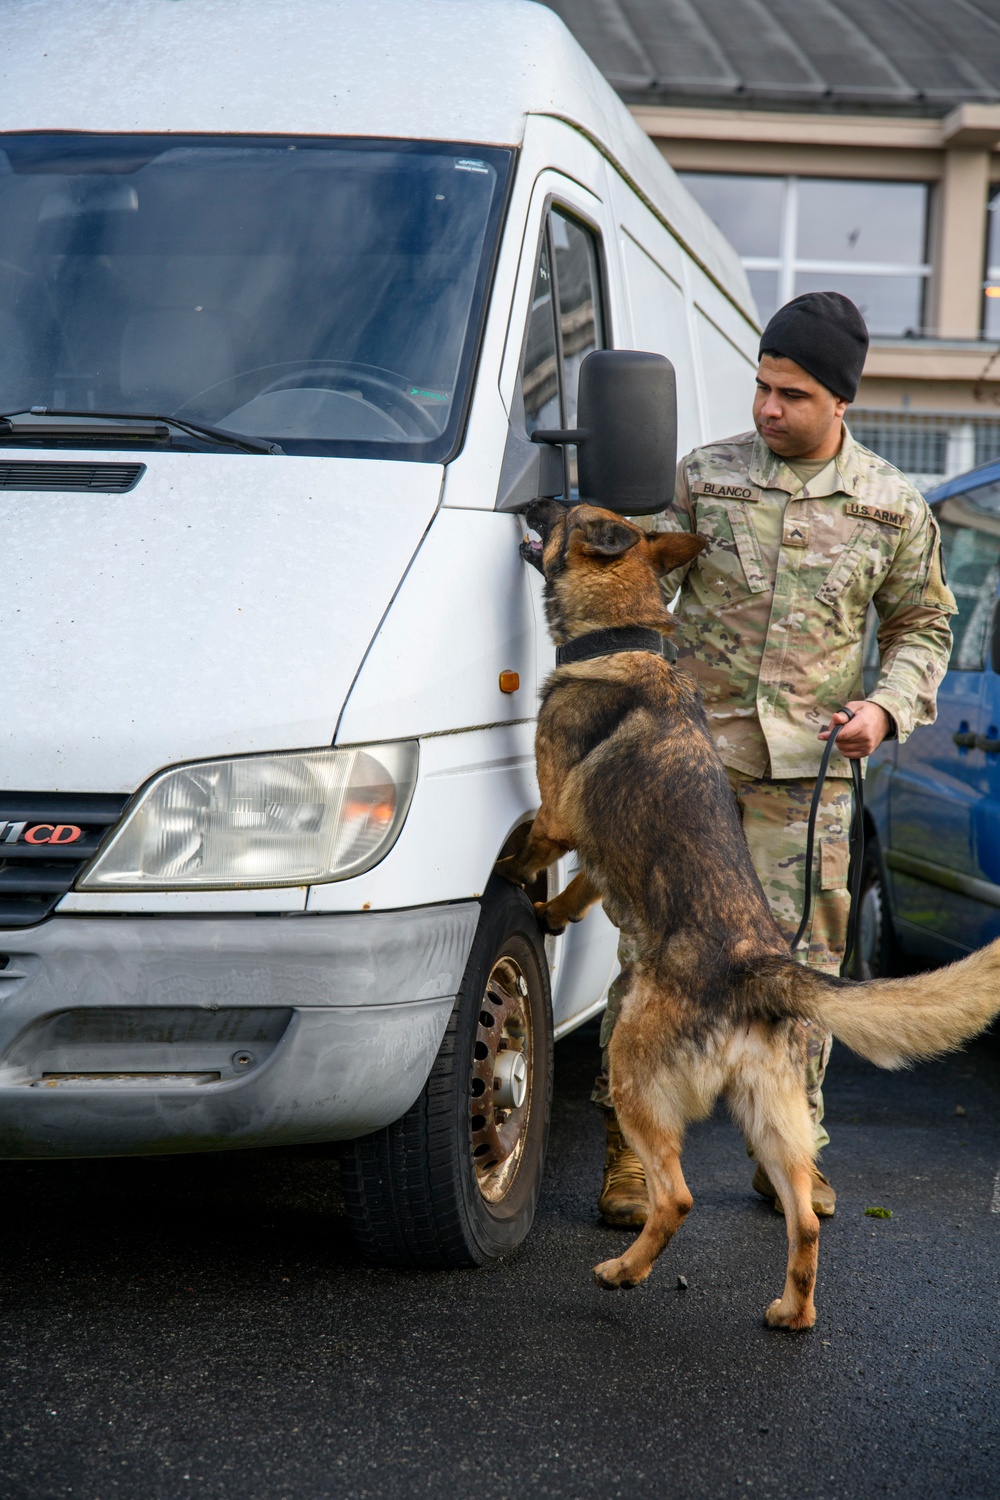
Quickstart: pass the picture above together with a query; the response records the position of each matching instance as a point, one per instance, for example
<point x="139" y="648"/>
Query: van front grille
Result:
<point x="107" y="479"/>
<point x="46" y="838"/>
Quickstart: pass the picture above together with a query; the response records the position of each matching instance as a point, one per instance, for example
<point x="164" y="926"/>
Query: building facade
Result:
<point x="851" y="147"/>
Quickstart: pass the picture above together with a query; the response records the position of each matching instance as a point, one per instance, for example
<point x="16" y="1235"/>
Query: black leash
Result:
<point x="857" y="846"/>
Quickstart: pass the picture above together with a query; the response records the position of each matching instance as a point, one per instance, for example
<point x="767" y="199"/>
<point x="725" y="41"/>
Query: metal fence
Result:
<point x="928" y="446"/>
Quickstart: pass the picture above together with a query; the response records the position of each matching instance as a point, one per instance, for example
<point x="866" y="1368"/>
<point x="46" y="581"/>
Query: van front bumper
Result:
<point x="135" y="1035"/>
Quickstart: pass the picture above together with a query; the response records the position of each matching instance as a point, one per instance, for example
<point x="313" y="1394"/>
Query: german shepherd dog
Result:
<point x="630" y="778"/>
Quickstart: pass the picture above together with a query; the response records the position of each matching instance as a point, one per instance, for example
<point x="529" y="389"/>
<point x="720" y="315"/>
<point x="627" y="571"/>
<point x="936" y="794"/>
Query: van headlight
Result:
<point x="261" y="820"/>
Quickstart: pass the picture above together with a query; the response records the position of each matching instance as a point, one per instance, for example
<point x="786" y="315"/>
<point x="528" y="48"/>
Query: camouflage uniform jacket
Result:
<point x="771" y="616"/>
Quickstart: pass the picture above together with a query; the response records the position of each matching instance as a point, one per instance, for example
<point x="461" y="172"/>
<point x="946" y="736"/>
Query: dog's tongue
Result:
<point x="531" y="550"/>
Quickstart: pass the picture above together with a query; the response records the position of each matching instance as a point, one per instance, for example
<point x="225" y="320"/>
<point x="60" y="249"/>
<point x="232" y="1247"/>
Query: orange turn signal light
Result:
<point x="509" y="682"/>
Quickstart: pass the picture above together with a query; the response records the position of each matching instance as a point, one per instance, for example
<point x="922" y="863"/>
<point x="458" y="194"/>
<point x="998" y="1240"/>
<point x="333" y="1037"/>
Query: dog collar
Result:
<point x="609" y="642"/>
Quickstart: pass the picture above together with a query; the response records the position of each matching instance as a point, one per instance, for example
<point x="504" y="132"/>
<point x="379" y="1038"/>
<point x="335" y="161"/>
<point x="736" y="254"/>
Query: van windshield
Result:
<point x="323" y="294"/>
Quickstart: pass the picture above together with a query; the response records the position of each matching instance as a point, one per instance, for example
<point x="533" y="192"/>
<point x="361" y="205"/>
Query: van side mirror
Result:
<point x="627" y="437"/>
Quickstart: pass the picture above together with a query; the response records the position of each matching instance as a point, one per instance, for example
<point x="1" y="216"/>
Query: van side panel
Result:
<point x="462" y="615"/>
<point x="730" y="387"/>
<point x="727" y="353"/>
<point x="676" y="310"/>
<point x="660" y="318"/>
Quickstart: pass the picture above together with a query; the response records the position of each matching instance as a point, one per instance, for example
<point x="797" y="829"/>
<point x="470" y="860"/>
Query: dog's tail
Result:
<point x="894" y="1022"/>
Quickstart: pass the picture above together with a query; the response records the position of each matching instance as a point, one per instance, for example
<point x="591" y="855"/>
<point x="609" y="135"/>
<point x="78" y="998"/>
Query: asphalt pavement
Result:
<point x="200" y="1326"/>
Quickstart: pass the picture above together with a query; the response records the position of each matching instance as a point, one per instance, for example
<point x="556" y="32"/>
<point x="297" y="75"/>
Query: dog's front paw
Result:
<point x="545" y="921"/>
<point x="795" y="1319"/>
<point x="616" y="1275"/>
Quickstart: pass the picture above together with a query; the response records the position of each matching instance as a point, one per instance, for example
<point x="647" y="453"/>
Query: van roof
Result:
<point x="464" y="70"/>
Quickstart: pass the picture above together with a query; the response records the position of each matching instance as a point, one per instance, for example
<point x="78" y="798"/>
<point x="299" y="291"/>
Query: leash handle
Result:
<point x="856" y="840"/>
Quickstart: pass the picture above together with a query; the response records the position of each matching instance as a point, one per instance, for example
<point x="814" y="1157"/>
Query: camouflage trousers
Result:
<point x="775" y="815"/>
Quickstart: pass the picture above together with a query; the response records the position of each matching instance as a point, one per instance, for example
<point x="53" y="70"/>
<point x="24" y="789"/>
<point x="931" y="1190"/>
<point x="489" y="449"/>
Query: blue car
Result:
<point x="931" y="880"/>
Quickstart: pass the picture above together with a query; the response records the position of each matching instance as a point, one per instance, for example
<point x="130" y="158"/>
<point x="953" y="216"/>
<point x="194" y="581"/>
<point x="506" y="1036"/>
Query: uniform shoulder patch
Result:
<point x="879" y="513"/>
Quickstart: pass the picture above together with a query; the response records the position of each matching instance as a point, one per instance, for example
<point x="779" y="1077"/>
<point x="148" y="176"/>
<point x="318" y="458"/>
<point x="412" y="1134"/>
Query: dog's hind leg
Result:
<point x="670" y="1203"/>
<point x="792" y="1177"/>
<point x="651" y="1099"/>
<point x="770" y="1102"/>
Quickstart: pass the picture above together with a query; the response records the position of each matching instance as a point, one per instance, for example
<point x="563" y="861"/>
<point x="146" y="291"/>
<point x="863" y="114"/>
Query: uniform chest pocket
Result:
<point x="860" y="568"/>
<point x="732" y="567"/>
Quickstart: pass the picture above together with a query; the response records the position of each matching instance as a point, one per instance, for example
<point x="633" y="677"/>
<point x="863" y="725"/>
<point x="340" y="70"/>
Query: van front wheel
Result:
<point x="455" y="1181"/>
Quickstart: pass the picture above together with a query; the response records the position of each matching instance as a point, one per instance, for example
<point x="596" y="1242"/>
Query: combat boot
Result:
<point x="824" y="1199"/>
<point x="624" y="1201"/>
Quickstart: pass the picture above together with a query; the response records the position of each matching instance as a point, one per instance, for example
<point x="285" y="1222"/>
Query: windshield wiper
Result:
<point x="47" y="421"/>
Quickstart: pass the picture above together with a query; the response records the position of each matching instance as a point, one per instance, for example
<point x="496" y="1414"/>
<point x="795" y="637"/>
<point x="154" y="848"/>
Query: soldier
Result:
<point x="807" y="529"/>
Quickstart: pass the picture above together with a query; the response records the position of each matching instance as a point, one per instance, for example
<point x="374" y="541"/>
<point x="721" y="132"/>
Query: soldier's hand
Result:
<point x="864" y="732"/>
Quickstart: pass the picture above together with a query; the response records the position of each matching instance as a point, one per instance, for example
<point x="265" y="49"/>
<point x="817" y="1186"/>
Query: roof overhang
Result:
<point x="972" y="125"/>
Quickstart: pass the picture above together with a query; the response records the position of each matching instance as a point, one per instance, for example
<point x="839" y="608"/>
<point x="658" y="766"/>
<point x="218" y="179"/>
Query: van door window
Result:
<point x="566" y="324"/>
<point x="540" y="371"/>
<point x="578" y="293"/>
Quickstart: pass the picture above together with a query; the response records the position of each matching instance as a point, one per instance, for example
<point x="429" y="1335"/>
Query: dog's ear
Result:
<point x="671" y="549"/>
<point x="603" y="538"/>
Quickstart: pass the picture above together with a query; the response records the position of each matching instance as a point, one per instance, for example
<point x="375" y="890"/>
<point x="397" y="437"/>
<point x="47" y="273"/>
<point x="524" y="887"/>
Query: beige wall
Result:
<point x="807" y="161"/>
<point x="958" y="243"/>
<point x="928" y="396"/>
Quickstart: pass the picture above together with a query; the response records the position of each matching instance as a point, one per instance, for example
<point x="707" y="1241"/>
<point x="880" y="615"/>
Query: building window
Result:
<point x="810" y="234"/>
<point x="991" y="301"/>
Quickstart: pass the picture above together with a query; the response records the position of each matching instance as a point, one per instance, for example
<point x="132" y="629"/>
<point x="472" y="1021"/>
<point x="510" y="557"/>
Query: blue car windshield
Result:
<point x="323" y="294"/>
<point x="984" y="498"/>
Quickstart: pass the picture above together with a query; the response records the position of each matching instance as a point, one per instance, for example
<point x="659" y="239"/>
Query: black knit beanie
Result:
<point x="825" y="334"/>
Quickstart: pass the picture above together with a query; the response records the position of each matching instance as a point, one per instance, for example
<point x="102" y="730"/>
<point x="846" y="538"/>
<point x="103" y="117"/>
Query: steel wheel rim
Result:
<point x="499" y="1130"/>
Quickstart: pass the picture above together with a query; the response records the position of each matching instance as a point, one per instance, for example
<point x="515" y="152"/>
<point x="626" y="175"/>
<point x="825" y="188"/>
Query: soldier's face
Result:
<point x="795" y="415"/>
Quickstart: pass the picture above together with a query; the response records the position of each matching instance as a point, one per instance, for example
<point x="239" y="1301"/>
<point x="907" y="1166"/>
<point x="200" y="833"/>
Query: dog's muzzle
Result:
<point x="531" y="550"/>
<point x="540" y="516"/>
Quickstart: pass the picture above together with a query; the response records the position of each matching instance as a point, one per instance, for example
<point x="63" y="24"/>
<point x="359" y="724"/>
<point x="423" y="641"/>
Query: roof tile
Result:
<point x="911" y="56"/>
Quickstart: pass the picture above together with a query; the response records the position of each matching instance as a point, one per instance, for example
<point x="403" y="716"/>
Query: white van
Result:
<point x="284" y="292"/>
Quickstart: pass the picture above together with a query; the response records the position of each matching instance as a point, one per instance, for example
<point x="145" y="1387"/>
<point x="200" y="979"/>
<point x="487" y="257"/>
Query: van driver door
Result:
<point x="567" y="318"/>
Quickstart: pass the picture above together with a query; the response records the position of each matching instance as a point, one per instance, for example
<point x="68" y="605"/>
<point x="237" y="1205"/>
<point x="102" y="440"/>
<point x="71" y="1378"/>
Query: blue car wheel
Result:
<point x="878" y="951"/>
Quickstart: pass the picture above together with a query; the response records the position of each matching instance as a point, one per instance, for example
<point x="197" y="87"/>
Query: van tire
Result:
<point x="414" y="1196"/>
